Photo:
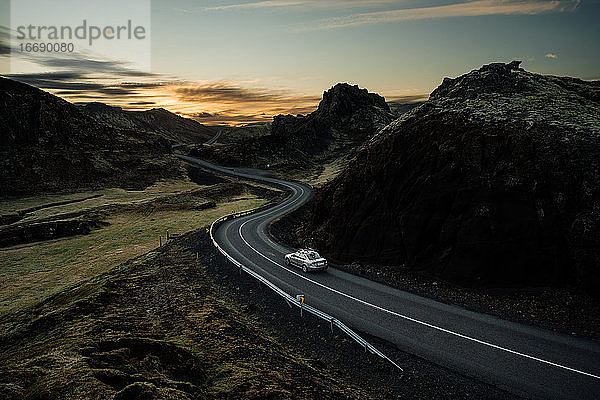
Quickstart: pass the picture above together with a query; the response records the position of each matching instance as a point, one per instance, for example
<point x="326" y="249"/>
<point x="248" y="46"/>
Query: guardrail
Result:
<point x="292" y="301"/>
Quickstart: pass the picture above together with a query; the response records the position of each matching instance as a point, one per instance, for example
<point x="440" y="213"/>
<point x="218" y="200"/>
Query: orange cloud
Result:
<point x="231" y="103"/>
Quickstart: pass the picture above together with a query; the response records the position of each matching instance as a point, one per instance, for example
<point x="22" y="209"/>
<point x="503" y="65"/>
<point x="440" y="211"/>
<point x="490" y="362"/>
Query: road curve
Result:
<point x="214" y="138"/>
<point x="524" y="360"/>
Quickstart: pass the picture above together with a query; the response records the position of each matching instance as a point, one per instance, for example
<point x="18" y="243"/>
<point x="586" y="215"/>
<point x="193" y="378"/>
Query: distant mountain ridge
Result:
<point x="493" y="181"/>
<point x="158" y="120"/>
<point x="400" y="108"/>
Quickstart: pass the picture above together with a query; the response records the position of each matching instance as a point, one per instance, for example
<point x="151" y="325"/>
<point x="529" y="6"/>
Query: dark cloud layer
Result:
<point x="225" y="92"/>
<point x="81" y="63"/>
<point x="49" y="76"/>
<point x="4" y="48"/>
<point x="142" y="103"/>
<point x="61" y="82"/>
<point x="72" y="82"/>
<point x="4" y="41"/>
<point x="228" y="117"/>
<point x="204" y="115"/>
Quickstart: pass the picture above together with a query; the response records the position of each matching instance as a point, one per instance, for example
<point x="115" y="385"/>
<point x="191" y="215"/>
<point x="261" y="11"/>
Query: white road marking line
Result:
<point x="405" y="316"/>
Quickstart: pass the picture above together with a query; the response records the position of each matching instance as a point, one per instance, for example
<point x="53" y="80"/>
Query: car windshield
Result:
<point x="313" y="255"/>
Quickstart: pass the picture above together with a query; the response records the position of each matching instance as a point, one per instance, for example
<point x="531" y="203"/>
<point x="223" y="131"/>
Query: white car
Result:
<point x="307" y="259"/>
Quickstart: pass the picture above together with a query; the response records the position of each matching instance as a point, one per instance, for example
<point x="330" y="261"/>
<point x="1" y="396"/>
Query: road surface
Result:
<point x="214" y="138"/>
<point x="523" y="360"/>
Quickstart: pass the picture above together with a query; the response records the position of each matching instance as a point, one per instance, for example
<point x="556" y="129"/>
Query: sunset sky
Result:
<point x="244" y="61"/>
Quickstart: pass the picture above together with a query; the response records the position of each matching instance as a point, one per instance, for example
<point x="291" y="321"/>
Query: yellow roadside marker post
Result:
<point x="300" y="298"/>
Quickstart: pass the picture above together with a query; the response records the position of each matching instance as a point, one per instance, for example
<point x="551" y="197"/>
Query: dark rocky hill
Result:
<point x="346" y="113"/>
<point x="158" y="120"/>
<point x="495" y="181"/>
<point x="48" y="144"/>
<point x="346" y="117"/>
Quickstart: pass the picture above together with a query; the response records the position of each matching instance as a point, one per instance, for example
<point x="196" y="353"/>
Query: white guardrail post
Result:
<point x="291" y="300"/>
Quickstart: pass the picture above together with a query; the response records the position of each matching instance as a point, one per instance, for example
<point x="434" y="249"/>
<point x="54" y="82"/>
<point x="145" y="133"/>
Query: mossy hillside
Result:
<point x="154" y="327"/>
<point x="493" y="182"/>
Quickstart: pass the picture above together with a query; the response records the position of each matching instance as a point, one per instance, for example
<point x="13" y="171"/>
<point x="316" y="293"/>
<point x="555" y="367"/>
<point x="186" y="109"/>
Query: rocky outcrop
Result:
<point x="348" y="112"/>
<point x="495" y="181"/>
<point x="50" y="145"/>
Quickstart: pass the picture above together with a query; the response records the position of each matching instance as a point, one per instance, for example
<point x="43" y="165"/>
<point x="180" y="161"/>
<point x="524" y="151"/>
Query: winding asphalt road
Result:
<point x="523" y="360"/>
<point x="214" y="138"/>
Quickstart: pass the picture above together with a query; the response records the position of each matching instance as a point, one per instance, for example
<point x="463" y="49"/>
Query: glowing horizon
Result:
<point x="236" y="62"/>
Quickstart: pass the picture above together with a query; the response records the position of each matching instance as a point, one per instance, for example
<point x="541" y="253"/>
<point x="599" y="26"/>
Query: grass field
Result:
<point x="33" y="271"/>
<point x="105" y="197"/>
